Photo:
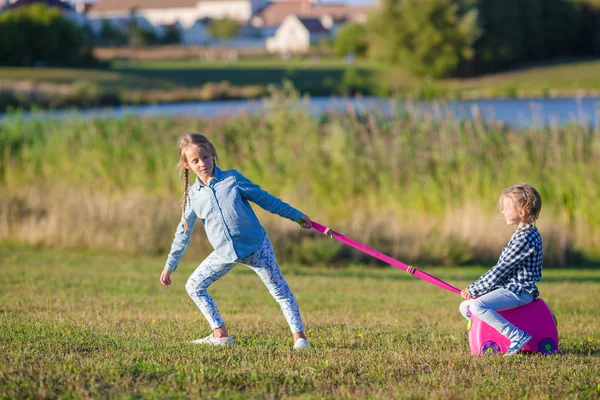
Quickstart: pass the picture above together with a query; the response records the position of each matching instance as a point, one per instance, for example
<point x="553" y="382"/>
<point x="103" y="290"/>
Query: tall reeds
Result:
<point x="420" y="187"/>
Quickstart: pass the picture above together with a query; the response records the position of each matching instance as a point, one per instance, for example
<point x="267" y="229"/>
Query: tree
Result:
<point x="139" y="36"/>
<point x="171" y="35"/>
<point x="517" y="31"/>
<point x="351" y="38"/>
<point x="224" y="28"/>
<point x="110" y="35"/>
<point x="427" y="37"/>
<point x="39" y="34"/>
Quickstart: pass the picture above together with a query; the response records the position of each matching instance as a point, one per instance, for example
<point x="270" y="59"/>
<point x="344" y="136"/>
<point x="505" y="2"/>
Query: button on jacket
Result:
<point x="223" y="207"/>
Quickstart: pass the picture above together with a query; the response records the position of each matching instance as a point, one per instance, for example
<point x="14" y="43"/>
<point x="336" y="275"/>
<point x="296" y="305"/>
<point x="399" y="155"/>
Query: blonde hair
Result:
<point x="524" y="197"/>
<point x="184" y="142"/>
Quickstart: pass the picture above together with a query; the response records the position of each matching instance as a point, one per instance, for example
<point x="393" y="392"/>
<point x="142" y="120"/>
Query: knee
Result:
<point x="477" y="308"/>
<point x="464" y="309"/>
<point x="193" y="288"/>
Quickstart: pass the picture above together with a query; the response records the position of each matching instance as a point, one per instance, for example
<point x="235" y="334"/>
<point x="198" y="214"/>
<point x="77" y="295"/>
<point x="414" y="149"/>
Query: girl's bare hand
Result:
<point x="306" y="223"/>
<point x="465" y="294"/>
<point x="165" y="277"/>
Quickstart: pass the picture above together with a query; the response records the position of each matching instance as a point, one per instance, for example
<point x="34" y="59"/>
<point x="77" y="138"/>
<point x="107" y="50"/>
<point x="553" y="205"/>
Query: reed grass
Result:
<point x="419" y="187"/>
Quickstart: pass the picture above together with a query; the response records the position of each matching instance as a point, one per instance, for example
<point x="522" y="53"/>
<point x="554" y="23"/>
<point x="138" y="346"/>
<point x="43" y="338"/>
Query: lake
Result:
<point x="515" y="112"/>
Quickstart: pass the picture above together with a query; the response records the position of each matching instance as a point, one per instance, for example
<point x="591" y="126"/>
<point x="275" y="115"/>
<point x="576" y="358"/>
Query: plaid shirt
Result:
<point x="519" y="266"/>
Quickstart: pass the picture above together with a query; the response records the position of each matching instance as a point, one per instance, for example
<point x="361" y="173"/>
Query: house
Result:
<point x="185" y="12"/>
<point x="296" y="34"/>
<point x="268" y="19"/>
<point x="82" y="6"/>
<point x="68" y="11"/>
<point x="189" y="16"/>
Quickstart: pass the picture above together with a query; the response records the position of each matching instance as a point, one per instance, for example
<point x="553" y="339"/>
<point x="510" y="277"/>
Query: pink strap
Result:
<point x="374" y="253"/>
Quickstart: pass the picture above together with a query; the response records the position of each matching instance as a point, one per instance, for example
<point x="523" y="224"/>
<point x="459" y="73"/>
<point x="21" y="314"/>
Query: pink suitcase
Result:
<point x="535" y="318"/>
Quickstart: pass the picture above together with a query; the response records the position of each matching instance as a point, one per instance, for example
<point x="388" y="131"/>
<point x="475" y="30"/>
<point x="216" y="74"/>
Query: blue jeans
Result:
<point x="485" y="308"/>
<point x="264" y="263"/>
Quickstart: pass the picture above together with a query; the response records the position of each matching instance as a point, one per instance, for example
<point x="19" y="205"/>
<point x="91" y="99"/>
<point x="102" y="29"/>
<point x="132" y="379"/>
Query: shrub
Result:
<point x="38" y="34"/>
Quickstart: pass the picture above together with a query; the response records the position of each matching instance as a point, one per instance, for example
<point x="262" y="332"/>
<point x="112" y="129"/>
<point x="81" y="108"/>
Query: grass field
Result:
<point x="568" y="75"/>
<point x="327" y="76"/>
<point x="83" y="325"/>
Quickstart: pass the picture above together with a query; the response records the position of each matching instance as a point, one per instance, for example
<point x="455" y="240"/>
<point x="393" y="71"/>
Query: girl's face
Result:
<point x="512" y="214"/>
<point x="199" y="160"/>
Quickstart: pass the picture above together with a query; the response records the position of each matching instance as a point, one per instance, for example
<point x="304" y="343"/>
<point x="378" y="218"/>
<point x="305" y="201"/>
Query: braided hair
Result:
<point x="187" y="140"/>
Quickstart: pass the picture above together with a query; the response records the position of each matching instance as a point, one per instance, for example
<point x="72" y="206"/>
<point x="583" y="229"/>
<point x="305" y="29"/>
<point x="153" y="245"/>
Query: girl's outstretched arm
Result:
<point x="183" y="233"/>
<point x="273" y="204"/>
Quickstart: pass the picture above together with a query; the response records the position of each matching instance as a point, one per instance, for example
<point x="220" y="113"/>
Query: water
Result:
<point x="514" y="112"/>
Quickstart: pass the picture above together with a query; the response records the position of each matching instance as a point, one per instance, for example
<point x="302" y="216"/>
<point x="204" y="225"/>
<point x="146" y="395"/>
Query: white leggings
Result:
<point x="263" y="262"/>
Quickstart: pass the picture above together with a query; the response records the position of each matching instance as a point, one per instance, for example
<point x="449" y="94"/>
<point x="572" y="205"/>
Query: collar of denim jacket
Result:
<point x="218" y="176"/>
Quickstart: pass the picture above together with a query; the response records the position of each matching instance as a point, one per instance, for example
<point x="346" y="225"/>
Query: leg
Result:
<point x="487" y="306"/>
<point x="264" y="263"/>
<point x="209" y="271"/>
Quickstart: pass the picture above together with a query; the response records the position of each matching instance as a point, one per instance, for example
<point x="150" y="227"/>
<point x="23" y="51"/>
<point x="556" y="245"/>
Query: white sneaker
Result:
<point x="213" y="341"/>
<point x="301" y="344"/>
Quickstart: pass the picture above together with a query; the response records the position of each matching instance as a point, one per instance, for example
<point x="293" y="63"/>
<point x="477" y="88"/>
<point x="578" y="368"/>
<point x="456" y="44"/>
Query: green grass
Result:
<point x="321" y="78"/>
<point x="257" y="63"/>
<point x="328" y="76"/>
<point x="82" y="325"/>
<point x="107" y="79"/>
<point x="565" y="76"/>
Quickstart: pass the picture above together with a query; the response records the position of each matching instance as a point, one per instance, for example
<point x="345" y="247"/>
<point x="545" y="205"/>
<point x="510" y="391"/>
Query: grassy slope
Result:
<point x="306" y="75"/>
<point x="82" y="325"/>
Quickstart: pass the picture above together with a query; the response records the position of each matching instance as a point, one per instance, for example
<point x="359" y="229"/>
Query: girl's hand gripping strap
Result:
<point x="374" y="253"/>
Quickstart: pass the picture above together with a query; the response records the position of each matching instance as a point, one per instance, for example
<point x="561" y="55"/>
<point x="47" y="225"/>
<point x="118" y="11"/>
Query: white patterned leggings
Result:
<point x="263" y="262"/>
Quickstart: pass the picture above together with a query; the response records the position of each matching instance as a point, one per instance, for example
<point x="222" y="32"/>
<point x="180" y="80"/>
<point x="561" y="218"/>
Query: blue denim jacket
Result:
<point x="231" y="225"/>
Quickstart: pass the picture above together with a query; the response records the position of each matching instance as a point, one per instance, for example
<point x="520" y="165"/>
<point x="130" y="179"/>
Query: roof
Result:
<point x="49" y="3"/>
<point x="125" y="5"/>
<point x="313" y="25"/>
<point x="274" y="13"/>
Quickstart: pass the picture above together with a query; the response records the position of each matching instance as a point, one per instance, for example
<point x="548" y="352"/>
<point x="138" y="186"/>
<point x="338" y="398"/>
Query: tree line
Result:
<point x="443" y="38"/>
<point x="437" y="38"/>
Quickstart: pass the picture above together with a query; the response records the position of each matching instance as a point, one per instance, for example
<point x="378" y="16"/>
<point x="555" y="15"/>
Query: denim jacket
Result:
<point x="223" y="207"/>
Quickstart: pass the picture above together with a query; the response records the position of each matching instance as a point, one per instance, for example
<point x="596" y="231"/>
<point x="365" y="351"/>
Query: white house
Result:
<point x="296" y="34"/>
<point x="268" y="19"/>
<point x="188" y="15"/>
<point x="186" y="12"/>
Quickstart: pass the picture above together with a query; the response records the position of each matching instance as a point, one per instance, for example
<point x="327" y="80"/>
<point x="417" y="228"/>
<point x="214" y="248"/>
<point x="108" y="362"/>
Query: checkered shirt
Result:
<point x="519" y="266"/>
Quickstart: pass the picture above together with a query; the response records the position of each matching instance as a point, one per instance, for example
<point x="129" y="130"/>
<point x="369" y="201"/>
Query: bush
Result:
<point x="427" y="37"/>
<point x="524" y="31"/>
<point x="171" y="35"/>
<point x="225" y="28"/>
<point x="38" y="34"/>
<point x="110" y="35"/>
<point x="351" y="39"/>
